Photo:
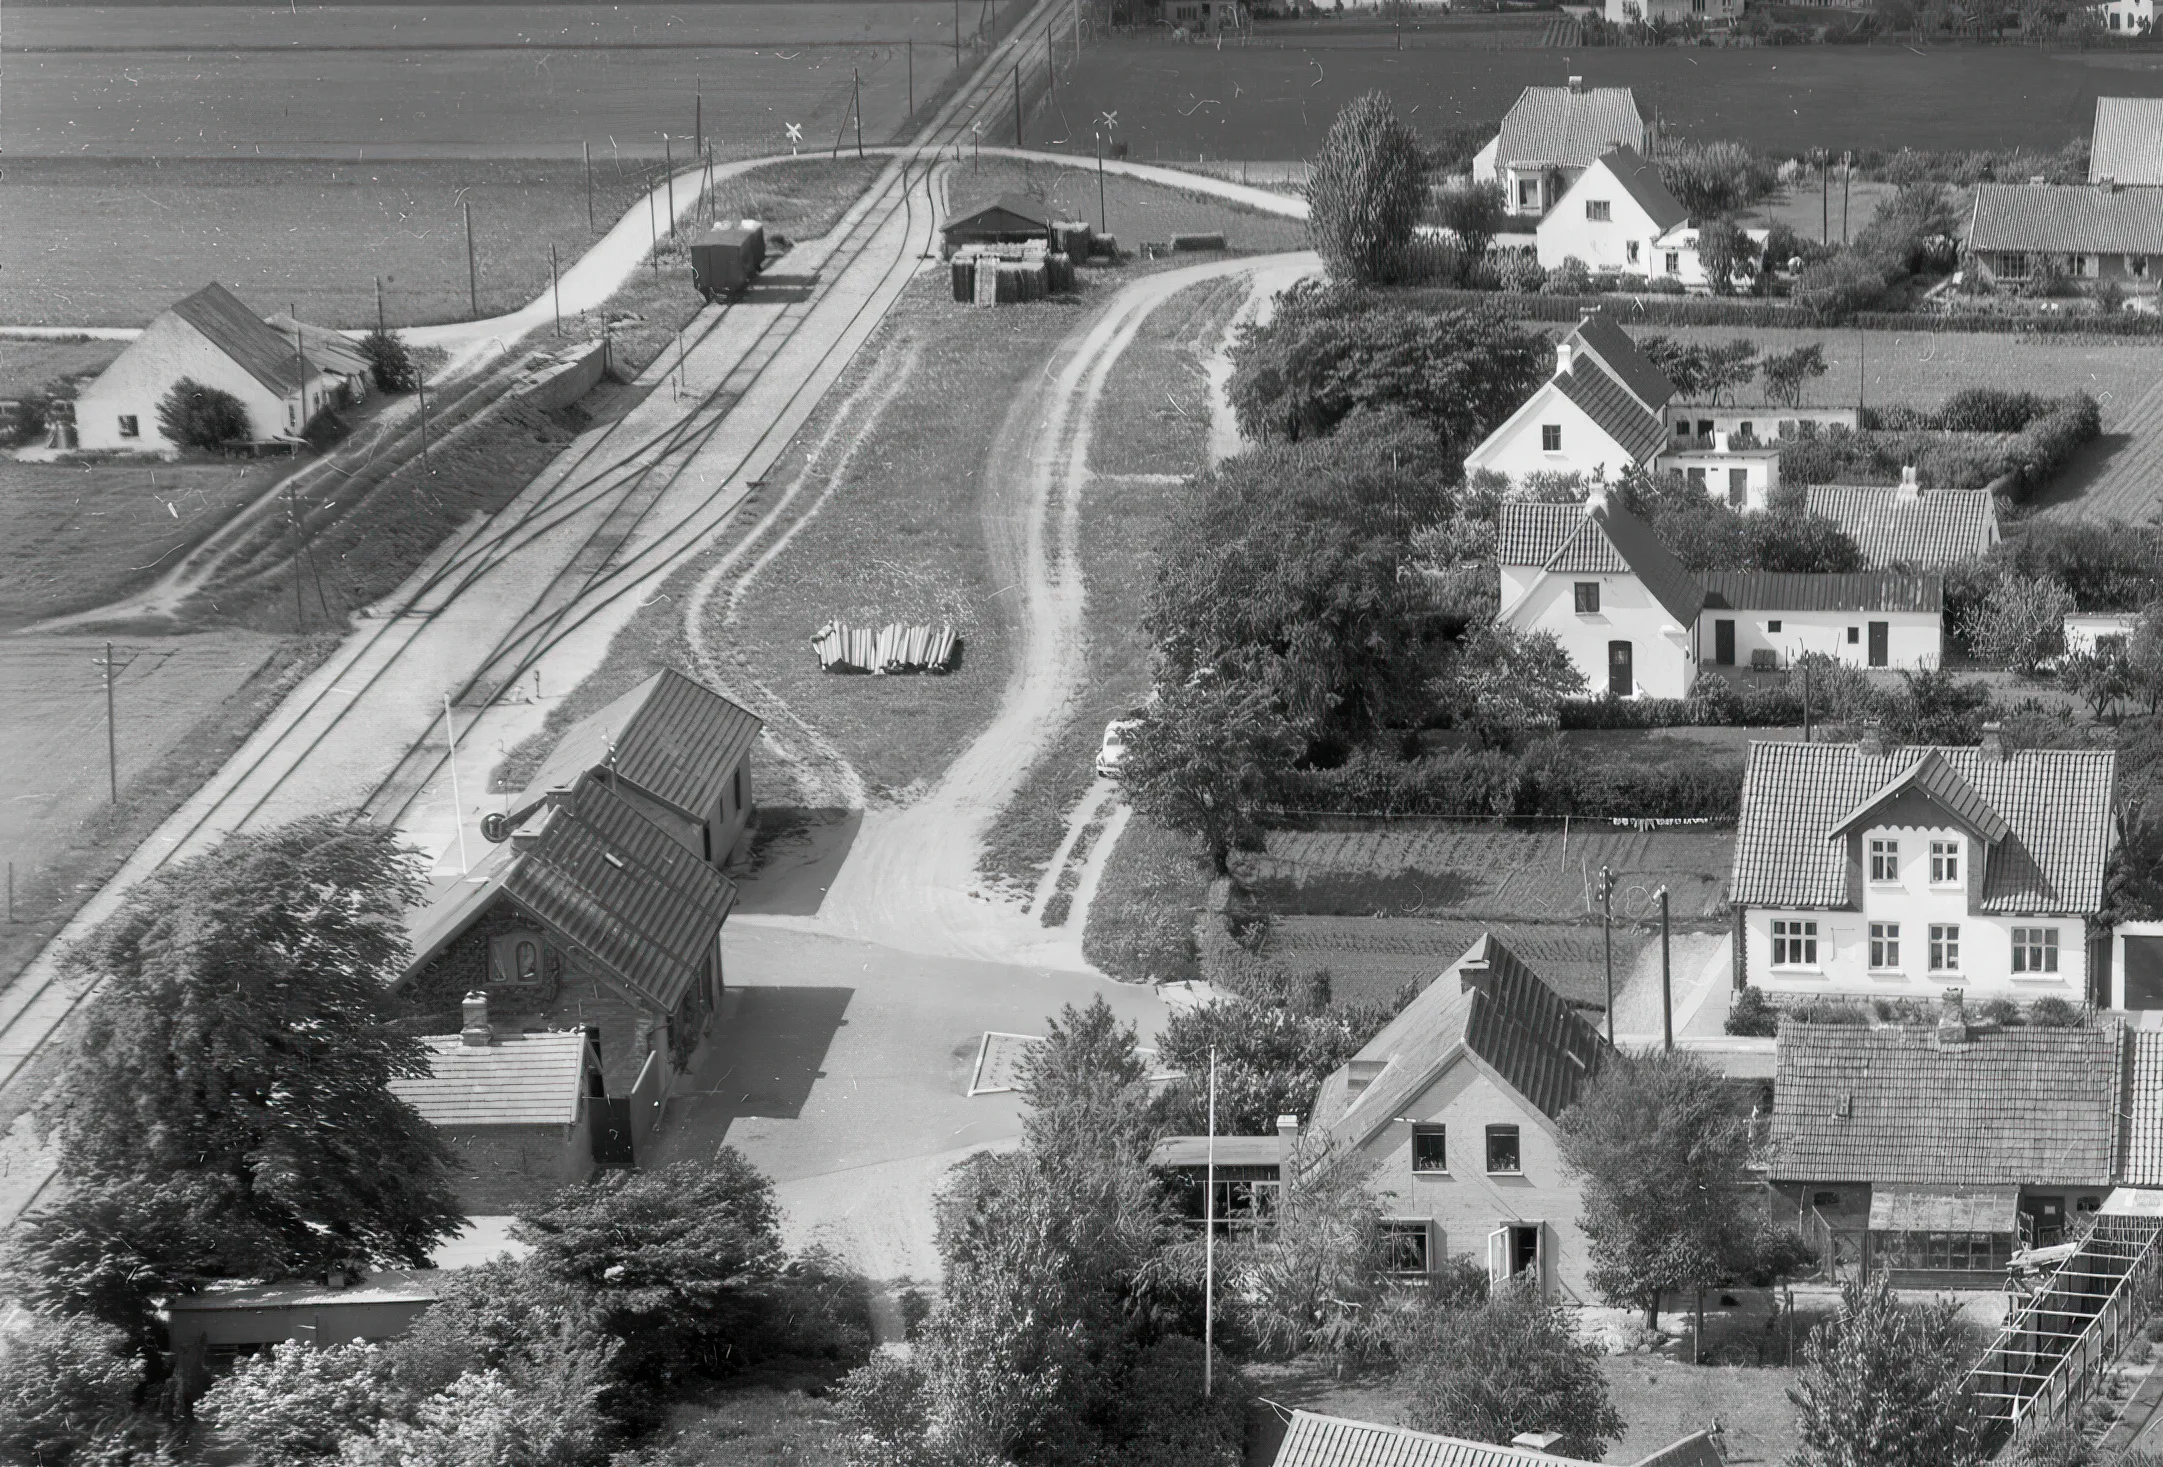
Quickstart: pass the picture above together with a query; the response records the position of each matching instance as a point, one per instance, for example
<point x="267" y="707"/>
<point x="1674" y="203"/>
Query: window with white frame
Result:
<point x="1794" y="943"/>
<point x="1598" y="210"/>
<point x="1885" y="946"/>
<point x="2035" y="949"/>
<point x="1430" y="1149"/>
<point x="1884" y="860"/>
<point x="1674" y="262"/>
<point x="1945" y="863"/>
<point x="1944" y="947"/>
<point x="1550" y="437"/>
<point x="130" y="426"/>
<point x="1587" y="594"/>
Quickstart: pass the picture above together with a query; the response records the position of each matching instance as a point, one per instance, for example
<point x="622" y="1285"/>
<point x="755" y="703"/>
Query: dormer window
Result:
<point x="1885" y="860"/>
<point x="1945" y="863"/>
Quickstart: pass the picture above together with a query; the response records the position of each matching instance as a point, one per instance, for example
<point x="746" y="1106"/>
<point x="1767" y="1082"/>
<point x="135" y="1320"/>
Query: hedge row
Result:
<point x="1550" y="779"/>
<point x="1748" y="707"/>
<point x="1657" y="310"/>
<point x="2042" y="448"/>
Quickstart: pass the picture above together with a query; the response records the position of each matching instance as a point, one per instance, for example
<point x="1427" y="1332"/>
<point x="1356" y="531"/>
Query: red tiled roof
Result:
<point x="1889" y="1105"/>
<point x="669" y="737"/>
<point x="1569" y="127"/>
<point x="2067" y="218"/>
<point x="2144" y="1118"/>
<point x="1798" y="591"/>
<point x="2128" y="141"/>
<point x="1640" y="431"/>
<point x="1926" y="531"/>
<point x="1314" y="1440"/>
<point x="1643" y="182"/>
<point x="2055" y="805"/>
<point x="1597" y="537"/>
<point x="1614" y="347"/>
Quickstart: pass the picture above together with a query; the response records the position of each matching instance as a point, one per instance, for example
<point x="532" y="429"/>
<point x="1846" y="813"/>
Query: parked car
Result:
<point x="1115" y="746"/>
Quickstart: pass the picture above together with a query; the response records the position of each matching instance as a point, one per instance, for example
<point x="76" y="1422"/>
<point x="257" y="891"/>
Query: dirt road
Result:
<point x="910" y="880"/>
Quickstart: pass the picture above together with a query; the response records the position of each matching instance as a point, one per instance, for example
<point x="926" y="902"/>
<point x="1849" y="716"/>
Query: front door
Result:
<point x="2143" y="973"/>
<point x="1621" y="674"/>
<point x="1880" y="643"/>
<point x="1723" y="643"/>
<point x="612" y="1131"/>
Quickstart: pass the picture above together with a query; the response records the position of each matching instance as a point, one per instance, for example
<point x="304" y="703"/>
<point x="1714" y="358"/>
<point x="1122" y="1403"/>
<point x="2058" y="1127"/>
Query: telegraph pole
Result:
<point x="300" y="607"/>
<point x="379" y="307"/>
<point x="555" y="287"/>
<point x="473" y="269"/>
<point x="1209" y="1240"/>
<point x="1103" y="227"/>
<point x="1017" y="104"/>
<point x="912" y="79"/>
<point x="458" y="805"/>
<point x="112" y="758"/>
<point x="957" y="35"/>
<point x="1607" y="944"/>
<point x="653" y="225"/>
<point x="856" y="86"/>
<point x="586" y="151"/>
<point x="668" y="166"/>
<point x="421" y="386"/>
<point x="698" y="116"/>
<point x="1667" y="986"/>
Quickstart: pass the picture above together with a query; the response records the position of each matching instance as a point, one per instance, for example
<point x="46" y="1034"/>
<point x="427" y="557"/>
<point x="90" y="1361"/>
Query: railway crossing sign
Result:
<point x="796" y="135"/>
<point x="1109" y="119"/>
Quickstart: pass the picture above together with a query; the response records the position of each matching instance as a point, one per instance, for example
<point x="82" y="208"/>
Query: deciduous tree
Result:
<point x="1503" y="683"/>
<point x="2021" y="622"/>
<point x="1366" y="192"/>
<point x="1475" y="213"/>
<point x="67" y="1395"/>
<point x="389" y="363"/>
<point x="1885" y="1385"/>
<point x="1512" y="1365"/>
<point x="1786" y="373"/>
<point x="1204" y="759"/>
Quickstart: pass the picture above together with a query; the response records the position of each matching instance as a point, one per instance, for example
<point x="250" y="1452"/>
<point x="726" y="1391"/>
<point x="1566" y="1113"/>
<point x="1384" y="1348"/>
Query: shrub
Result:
<point x="1990" y="410"/>
<point x="1750" y="1013"/>
<point x="2045" y="445"/>
<point x="2054" y="1013"/>
<point x="2020" y="622"/>
<point x="1819" y="1010"/>
<point x="389" y="363"/>
<point x="67" y="1388"/>
<point x="195" y="416"/>
<point x="1571" y="277"/>
<point x="1512" y="1365"/>
<point x="2000" y="1011"/>
<point x="325" y="430"/>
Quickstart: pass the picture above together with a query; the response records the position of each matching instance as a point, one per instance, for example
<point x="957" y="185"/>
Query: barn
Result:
<point x="1008" y="219"/>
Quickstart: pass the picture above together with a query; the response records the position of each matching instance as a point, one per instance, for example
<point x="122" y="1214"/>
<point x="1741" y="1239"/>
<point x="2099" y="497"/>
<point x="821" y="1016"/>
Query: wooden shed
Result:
<point x="1008" y="219"/>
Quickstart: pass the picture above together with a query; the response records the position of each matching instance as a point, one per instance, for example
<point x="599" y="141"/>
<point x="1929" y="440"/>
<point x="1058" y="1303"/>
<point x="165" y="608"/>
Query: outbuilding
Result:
<point x="211" y="338"/>
<point x="1008" y="219"/>
<point x="1768" y="619"/>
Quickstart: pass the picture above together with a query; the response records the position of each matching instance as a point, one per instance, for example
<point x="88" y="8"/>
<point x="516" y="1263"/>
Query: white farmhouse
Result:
<point x="1868" y="870"/>
<point x="1619" y="216"/>
<point x="1765" y="619"/>
<point x="1550" y="136"/>
<point x="1619" y="602"/>
<point x="211" y="338"/>
<point x="1598" y="415"/>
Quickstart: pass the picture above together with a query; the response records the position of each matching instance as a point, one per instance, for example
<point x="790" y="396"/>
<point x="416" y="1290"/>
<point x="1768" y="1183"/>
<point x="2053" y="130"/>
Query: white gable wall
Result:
<point x="1662" y="655"/>
<point x="1914" y="639"/>
<point x="1604" y="244"/>
<point x="1466" y="1204"/>
<point x="1514" y="448"/>
<point x="168" y="350"/>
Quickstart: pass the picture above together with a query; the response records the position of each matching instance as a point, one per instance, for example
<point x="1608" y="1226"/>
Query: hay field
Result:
<point x="1276" y="98"/>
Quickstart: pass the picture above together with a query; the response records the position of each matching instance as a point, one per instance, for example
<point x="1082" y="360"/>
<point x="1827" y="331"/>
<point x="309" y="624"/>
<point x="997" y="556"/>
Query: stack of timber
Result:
<point x="891" y="648"/>
<point x="1005" y="274"/>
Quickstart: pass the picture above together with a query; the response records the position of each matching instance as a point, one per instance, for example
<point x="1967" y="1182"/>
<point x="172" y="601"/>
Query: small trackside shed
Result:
<point x="1008" y="219"/>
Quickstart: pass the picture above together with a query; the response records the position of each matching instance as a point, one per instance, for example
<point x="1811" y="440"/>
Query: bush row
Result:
<point x="2017" y="463"/>
<point x="1664" y="310"/>
<point x="1549" y="779"/>
<point x="2044" y="445"/>
<point x="1750" y="707"/>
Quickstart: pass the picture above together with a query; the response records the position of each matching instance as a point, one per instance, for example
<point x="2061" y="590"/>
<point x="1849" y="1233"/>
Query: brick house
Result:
<point x="1890" y="872"/>
<point x="678" y="752"/>
<point x="519" y="1108"/>
<point x="1936" y="1152"/>
<point x="1451" y="1113"/>
<point x="589" y="915"/>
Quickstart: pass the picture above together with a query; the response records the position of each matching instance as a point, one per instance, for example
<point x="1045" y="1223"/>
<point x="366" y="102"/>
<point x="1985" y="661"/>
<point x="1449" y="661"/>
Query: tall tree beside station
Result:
<point x="225" y="1110"/>
<point x="1660" y="1151"/>
<point x="1366" y="191"/>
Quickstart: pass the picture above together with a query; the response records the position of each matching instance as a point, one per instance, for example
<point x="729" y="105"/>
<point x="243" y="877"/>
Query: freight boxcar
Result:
<point x="724" y="259"/>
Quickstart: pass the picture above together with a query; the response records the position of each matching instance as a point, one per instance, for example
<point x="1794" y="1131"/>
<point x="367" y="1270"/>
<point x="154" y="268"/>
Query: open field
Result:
<point x="1276" y="99"/>
<point x="80" y="536"/>
<point x="316" y="235"/>
<point x="26" y="366"/>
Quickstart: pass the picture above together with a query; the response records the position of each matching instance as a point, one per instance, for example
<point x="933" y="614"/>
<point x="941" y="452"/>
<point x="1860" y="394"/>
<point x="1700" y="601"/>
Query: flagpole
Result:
<point x="1209" y="1242"/>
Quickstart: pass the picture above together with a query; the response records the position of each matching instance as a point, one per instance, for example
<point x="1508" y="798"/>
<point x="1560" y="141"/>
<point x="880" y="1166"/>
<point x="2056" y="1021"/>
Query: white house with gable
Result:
<point x="1618" y="216"/>
<point x="1870" y="869"/>
<point x="1620" y="603"/>
<point x="209" y="337"/>
<point x="1551" y="135"/>
<point x="1600" y="412"/>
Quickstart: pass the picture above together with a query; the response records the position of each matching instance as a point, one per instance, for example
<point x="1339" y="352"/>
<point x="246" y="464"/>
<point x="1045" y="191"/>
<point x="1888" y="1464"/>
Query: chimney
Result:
<point x="1564" y="355"/>
<point x="1577" y="83"/>
<point x="1953" y="1021"/>
<point x="1872" y="742"/>
<point x="1911" y="488"/>
<point x="476" y="1031"/>
<point x="1994" y="742"/>
<point x="2107" y="184"/>
<point x="1287" y="1143"/>
<point x="1595" y="500"/>
<point x="1537" y="1441"/>
<point x="1720" y="442"/>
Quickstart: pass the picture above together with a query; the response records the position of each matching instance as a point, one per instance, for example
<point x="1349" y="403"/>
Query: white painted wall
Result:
<point x="168" y="350"/>
<point x="1765" y="420"/>
<point x="1663" y="655"/>
<point x="1514" y="448"/>
<point x="1603" y="244"/>
<point x="2125" y="17"/>
<point x="1621" y="12"/>
<point x="1914" y="639"/>
<point x="1712" y="469"/>
<point x="2082" y="628"/>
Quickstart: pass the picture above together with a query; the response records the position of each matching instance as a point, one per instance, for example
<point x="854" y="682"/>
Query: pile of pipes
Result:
<point x="891" y="648"/>
<point x="1005" y="274"/>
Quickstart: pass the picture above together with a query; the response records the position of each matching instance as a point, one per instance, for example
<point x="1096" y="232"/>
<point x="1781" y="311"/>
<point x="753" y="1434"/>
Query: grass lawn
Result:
<point x="1141" y="925"/>
<point x="1153" y="421"/>
<point x="768" y="1419"/>
<point x="26" y="366"/>
<point x="81" y="535"/>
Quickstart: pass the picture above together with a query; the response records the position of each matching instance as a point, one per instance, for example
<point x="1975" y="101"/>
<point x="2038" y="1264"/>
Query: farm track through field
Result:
<point x="36" y="1005"/>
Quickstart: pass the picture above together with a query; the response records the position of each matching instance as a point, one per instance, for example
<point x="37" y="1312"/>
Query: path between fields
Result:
<point x="910" y="880"/>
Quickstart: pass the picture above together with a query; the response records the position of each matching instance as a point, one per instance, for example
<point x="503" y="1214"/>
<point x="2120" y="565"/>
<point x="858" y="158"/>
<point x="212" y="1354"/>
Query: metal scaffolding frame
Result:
<point x="2055" y="1347"/>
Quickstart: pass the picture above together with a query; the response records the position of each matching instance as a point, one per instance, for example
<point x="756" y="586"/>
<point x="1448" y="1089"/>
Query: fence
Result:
<point x="2053" y="1351"/>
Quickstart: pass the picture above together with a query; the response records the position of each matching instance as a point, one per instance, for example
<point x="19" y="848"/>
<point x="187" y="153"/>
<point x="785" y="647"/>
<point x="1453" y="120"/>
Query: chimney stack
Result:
<point x="1994" y="741"/>
<point x="1953" y="1021"/>
<point x="1564" y="355"/>
<point x="1577" y="83"/>
<point x="1287" y="1143"/>
<point x="1720" y="442"/>
<point x="1910" y="486"/>
<point x="476" y="1031"/>
<point x="1872" y="742"/>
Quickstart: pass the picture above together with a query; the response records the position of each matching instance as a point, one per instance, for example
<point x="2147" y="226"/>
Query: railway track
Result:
<point x="615" y="481"/>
